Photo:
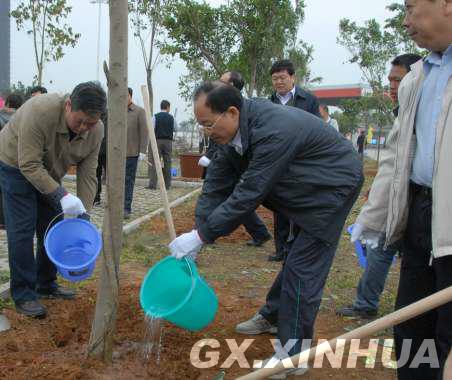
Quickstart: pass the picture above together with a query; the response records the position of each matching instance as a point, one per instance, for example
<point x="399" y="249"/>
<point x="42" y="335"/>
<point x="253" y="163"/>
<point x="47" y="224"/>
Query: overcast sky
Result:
<point x="79" y="64"/>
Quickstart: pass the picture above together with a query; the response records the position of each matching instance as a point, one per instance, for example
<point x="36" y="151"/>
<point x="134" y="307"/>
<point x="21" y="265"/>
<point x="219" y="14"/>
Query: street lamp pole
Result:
<point x="99" y="21"/>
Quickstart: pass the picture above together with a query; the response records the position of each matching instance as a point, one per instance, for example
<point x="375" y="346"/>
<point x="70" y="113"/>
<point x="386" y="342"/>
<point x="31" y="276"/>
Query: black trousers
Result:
<point x="101" y="166"/>
<point x="27" y="213"/>
<point x="165" y="148"/>
<point x="281" y="232"/>
<point x="419" y="279"/>
<point x="295" y="296"/>
<point x="256" y="227"/>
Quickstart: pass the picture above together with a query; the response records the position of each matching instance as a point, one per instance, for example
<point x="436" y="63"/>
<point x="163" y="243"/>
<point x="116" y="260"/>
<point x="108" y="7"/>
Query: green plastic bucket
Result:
<point x="173" y="290"/>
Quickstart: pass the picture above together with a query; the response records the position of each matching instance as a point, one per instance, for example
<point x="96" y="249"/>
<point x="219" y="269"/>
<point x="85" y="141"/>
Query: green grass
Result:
<point x="4" y="276"/>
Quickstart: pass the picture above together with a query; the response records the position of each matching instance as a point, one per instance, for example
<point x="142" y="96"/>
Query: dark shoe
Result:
<point x="150" y="188"/>
<point x="32" y="308"/>
<point x="58" y="292"/>
<point x="351" y="312"/>
<point x="258" y="243"/>
<point x="127" y="214"/>
<point x="276" y="257"/>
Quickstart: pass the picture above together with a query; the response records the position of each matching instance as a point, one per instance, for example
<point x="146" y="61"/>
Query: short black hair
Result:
<point x="130" y="91"/>
<point x="14" y="101"/>
<point x="164" y="104"/>
<point x="219" y="96"/>
<point x="283" y="65"/>
<point x="40" y="89"/>
<point x="89" y="97"/>
<point x="236" y="79"/>
<point x="406" y="60"/>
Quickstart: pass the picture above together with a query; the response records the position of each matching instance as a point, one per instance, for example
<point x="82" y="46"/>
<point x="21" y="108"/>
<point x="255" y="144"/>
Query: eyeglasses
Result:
<point x="210" y="127"/>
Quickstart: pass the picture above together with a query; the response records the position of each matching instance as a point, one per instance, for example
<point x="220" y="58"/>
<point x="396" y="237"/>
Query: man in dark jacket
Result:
<point x="253" y="224"/>
<point x="286" y="160"/>
<point x="287" y="93"/>
<point x="164" y="124"/>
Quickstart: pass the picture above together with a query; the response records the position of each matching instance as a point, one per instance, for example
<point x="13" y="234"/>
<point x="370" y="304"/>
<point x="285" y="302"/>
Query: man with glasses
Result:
<point x="288" y="94"/>
<point x="253" y="224"/>
<point x="285" y="159"/>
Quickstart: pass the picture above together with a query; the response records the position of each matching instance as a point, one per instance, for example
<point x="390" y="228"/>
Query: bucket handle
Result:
<point x="191" y="272"/>
<point x="53" y="220"/>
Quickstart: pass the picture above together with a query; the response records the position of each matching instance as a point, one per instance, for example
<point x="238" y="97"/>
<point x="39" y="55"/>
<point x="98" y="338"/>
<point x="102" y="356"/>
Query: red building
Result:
<point x="333" y="95"/>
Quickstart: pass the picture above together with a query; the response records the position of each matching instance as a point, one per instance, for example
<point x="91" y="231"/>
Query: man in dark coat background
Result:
<point x="286" y="160"/>
<point x="288" y="94"/>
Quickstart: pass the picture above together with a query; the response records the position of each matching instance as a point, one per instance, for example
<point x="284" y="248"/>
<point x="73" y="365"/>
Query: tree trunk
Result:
<point x="150" y="90"/>
<point x="104" y="323"/>
<point x="252" y="80"/>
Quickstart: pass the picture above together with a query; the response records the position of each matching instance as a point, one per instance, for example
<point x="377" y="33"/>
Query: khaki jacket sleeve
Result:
<point x="30" y="152"/>
<point x="86" y="176"/>
<point x="143" y="131"/>
<point x="374" y="213"/>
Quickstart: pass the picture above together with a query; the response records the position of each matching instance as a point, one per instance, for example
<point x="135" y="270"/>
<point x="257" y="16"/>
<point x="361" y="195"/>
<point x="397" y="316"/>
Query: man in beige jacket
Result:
<point x="411" y="198"/>
<point x="47" y="135"/>
<point x="137" y="142"/>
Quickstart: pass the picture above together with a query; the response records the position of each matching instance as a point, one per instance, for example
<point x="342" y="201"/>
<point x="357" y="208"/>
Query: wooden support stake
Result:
<point x="420" y="307"/>
<point x="157" y="163"/>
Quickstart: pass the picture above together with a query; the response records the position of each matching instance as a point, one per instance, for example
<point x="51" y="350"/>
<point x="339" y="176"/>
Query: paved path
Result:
<point x="144" y="202"/>
<point x="372" y="153"/>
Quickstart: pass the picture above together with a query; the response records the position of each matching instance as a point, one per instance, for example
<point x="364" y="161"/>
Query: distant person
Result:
<point x="12" y="104"/>
<point x="164" y="125"/>
<point x="361" y="143"/>
<point x="137" y="143"/>
<point x="287" y="93"/>
<point x="379" y="259"/>
<point x="46" y="136"/>
<point x="37" y="90"/>
<point x="325" y="114"/>
<point x="101" y="161"/>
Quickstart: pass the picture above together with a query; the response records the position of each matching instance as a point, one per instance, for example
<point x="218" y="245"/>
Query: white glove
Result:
<point x="187" y="244"/>
<point x="141" y="156"/>
<point x="369" y="237"/>
<point x="72" y="205"/>
<point x="204" y="161"/>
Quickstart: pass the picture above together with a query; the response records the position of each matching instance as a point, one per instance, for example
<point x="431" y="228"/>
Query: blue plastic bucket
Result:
<point x="173" y="290"/>
<point x="360" y="250"/>
<point x="73" y="246"/>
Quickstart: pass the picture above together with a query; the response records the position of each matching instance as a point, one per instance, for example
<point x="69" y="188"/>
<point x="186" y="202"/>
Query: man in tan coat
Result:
<point x="137" y="142"/>
<point x="47" y="135"/>
<point x="411" y="197"/>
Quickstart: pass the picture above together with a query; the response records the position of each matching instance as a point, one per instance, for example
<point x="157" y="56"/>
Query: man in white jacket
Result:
<point x="411" y="195"/>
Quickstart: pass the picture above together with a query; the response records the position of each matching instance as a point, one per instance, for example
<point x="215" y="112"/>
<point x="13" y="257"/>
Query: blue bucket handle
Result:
<point x="81" y="216"/>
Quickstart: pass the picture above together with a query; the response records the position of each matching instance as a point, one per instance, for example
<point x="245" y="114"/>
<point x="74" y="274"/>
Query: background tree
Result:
<point x="17" y="88"/>
<point x="146" y="19"/>
<point x="44" y="21"/>
<point x="395" y="26"/>
<point x="246" y="35"/>
<point x="104" y="323"/>
<point x="372" y="48"/>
